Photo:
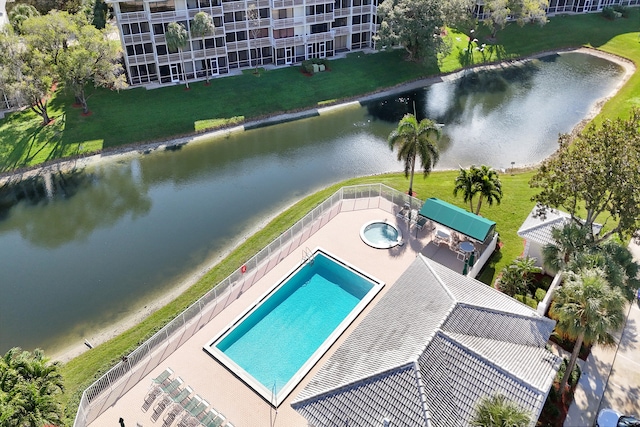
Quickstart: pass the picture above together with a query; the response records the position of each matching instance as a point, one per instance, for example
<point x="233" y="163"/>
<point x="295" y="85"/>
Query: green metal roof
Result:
<point x="457" y="219"/>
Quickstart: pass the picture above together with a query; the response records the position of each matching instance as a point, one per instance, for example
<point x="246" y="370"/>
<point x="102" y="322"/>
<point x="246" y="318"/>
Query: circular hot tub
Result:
<point x="380" y="235"/>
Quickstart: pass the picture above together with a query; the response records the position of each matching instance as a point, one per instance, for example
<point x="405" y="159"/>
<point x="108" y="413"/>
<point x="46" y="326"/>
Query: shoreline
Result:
<point x="67" y="352"/>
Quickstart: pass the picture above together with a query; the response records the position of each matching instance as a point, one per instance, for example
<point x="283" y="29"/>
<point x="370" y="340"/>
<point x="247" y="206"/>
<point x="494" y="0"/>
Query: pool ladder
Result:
<point x="307" y="256"/>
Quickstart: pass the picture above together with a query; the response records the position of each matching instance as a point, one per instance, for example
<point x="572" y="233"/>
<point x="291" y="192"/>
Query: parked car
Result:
<point x="610" y="418"/>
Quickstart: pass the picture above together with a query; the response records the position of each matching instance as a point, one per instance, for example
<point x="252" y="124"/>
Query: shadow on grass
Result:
<point x="30" y="142"/>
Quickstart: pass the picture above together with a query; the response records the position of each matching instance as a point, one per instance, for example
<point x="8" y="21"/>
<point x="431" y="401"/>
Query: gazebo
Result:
<point x="469" y="224"/>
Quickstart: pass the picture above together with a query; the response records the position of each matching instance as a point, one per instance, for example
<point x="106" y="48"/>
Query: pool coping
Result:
<point x="397" y="242"/>
<point x="275" y="400"/>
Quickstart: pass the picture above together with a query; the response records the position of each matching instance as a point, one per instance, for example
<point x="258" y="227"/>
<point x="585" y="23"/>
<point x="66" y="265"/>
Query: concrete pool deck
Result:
<point x="218" y="386"/>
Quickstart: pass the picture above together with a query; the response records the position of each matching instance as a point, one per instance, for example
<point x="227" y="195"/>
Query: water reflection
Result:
<point x="112" y="237"/>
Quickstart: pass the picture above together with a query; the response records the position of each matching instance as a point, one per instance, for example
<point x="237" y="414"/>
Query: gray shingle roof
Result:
<point x="538" y="228"/>
<point x="433" y="345"/>
<point x="457" y="378"/>
<point x="497" y="325"/>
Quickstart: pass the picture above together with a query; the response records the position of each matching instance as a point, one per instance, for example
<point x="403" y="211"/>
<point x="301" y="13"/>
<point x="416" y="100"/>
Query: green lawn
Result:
<point x="139" y="115"/>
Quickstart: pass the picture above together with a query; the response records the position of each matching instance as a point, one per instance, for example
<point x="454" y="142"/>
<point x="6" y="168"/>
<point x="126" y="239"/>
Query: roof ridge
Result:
<point x="368" y="379"/>
<point x="542" y="224"/>
<point x="422" y="393"/>
<point x="537" y="316"/>
<point x="493" y="363"/>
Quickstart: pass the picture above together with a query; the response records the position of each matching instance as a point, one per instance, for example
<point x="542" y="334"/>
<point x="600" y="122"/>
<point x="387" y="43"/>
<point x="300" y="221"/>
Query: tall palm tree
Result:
<point x="569" y="241"/>
<point x="498" y="411"/>
<point x="489" y="186"/>
<point x="177" y="38"/>
<point x="466" y="184"/>
<point x="202" y="26"/>
<point x="587" y="309"/>
<point x="416" y="139"/>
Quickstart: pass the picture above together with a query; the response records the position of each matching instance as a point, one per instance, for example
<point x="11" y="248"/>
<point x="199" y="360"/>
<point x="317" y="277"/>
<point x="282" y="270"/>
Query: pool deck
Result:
<point x="225" y="392"/>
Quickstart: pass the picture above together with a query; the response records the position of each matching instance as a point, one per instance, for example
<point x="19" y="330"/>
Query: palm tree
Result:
<point x="466" y="184"/>
<point x="202" y="26"/>
<point x="416" y="139"/>
<point x="488" y="186"/>
<point x="587" y="309"/>
<point x="569" y="241"/>
<point x="616" y="262"/>
<point x="498" y="411"/>
<point x="177" y="37"/>
<point x="517" y="277"/>
<point x="29" y="389"/>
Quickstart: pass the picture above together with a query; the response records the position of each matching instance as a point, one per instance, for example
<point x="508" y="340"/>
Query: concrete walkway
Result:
<point x="611" y="376"/>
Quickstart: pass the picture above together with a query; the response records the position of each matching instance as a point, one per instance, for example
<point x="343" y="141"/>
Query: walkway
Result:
<point x="611" y="377"/>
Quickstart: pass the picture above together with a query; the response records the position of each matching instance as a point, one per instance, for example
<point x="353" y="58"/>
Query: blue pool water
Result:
<point x="280" y="335"/>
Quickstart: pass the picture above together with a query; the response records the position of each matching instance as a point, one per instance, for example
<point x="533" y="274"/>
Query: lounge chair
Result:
<point x="151" y="397"/>
<point x="172" y="390"/>
<point x="163" y="378"/>
<point x="195" y="406"/>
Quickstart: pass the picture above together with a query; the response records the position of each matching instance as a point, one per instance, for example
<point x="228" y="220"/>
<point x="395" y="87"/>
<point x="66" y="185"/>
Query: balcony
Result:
<point x="141" y="59"/>
<point x="235" y="26"/>
<point x="278" y="24"/>
<point x="289" y="41"/>
<point x="281" y="4"/>
<point x="132" y="17"/>
<point x="319" y="19"/>
<point x="136" y="38"/>
<point x="233" y="6"/>
<point x="159" y="17"/>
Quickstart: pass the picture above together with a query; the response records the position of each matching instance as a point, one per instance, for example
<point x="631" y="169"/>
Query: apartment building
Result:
<point x="286" y="32"/>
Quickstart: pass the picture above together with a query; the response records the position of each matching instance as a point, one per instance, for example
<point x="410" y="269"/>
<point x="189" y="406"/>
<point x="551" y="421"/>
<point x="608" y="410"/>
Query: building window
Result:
<point x="284" y="33"/>
<point x="161" y="49"/>
<point x="162" y="6"/>
<point x="343" y="4"/>
<point x="339" y="22"/>
<point x="355" y="20"/>
<point x="319" y="28"/>
<point x="131" y="6"/>
<point x="259" y="33"/>
<point x="366" y="19"/>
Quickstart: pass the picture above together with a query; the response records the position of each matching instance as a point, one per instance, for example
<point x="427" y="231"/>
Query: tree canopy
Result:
<point x="413" y="24"/>
<point x="498" y="12"/>
<point x="92" y="58"/>
<point x="29" y="389"/>
<point x="595" y="176"/>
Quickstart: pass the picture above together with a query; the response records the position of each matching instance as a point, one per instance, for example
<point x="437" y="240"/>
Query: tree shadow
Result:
<point x="29" y="142"/>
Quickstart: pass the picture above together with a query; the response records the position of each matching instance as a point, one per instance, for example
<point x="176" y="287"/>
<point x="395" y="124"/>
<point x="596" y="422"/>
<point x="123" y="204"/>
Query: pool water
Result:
<point x="380" y="235"/>
<point x="278" y="338"/>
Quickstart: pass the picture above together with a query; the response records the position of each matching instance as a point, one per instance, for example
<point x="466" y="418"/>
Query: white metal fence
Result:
<point x="119" y="379"/>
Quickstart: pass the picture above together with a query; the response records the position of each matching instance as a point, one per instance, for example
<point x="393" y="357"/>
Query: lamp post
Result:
<point x="512" y="165"/>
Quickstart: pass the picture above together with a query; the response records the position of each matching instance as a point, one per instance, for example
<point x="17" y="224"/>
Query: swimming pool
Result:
<point x="277" y="341"/>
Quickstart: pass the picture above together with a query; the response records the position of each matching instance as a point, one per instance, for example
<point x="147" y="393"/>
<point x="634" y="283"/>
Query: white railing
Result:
<point x="122" y="377"/>
<point x="543" y="305"/>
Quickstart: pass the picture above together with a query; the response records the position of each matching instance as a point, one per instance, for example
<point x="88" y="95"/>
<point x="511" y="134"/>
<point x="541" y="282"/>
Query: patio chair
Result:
<point x="172" y="390"/>
<point x="163" y="378"/>
<point x="195" y="406"/>
<point x="178" y="408"/>
<point x="217" y="421"/>
<point x="151" y="397"/>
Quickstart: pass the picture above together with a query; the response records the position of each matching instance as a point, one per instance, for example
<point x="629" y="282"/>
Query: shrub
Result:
<point x="575" y="375"/>
<point x="307" y="65"/>
<point x="531" y="302"/>
<point x="545" y="282"/>
<point x="540" y="294"/>
<point x="610" y="14"/>
<point x="622" y="10"/>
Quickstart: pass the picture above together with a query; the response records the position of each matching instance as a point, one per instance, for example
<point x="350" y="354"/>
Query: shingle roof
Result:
<point x="537" y="228"/>
<point x="433" y="345"/>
